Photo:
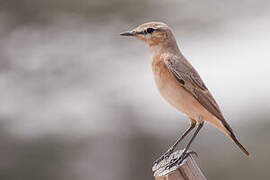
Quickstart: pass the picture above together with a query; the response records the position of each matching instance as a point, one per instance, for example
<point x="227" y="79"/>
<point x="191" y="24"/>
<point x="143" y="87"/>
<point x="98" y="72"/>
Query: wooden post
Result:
<point x="188" y="170"/>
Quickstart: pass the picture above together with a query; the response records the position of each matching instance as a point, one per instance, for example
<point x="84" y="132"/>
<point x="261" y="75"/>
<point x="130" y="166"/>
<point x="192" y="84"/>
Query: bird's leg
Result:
<point x="171" y="149"/>
<point x="185" y="153"/>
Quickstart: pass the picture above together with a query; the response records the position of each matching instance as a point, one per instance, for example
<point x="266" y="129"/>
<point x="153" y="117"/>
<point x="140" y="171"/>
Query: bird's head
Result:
<point x="152" y="33"/>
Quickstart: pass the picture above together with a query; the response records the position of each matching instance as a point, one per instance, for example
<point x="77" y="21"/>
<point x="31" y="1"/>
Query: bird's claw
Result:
<point x="179" y="160"/>
<point x="165" y="156"/>
<point x="192" y="152"/>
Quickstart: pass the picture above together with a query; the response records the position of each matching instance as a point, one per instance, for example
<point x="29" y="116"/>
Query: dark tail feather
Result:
<point x="239" y="144"/>
<point x="232" y="136"/>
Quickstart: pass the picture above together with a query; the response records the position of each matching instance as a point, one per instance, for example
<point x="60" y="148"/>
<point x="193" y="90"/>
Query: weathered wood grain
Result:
<point x="188" y="170"/>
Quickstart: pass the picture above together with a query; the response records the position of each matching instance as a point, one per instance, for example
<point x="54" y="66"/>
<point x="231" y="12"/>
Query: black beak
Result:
<point x="128" y="33"/>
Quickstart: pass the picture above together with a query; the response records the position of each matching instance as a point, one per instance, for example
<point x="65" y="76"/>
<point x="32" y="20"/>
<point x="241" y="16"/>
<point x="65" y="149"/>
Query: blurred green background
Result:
<point x="78" y="101"/>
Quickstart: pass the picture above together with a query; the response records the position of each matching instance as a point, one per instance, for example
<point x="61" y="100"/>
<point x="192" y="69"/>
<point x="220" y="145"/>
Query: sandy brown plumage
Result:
<point x="179" y="83"/>
<point x="187" y="76"/>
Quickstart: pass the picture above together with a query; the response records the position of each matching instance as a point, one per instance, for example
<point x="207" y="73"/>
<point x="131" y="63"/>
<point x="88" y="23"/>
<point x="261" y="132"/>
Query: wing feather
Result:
<point x="192" y="82"/>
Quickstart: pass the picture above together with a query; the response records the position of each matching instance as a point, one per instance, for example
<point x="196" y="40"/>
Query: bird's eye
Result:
<point x="150" y="30"/>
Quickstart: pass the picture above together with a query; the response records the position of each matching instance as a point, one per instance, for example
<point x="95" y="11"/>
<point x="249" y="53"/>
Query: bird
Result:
<point x="180" y="85"/>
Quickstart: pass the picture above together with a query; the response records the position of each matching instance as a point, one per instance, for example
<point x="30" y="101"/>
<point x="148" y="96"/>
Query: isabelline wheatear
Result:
<point x="180" y="84"/>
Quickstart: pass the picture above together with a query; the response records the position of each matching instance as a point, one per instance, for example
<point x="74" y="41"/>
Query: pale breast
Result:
<point x="172" y="91"/>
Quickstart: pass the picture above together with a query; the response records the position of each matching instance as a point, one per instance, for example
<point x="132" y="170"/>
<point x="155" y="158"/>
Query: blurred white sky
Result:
<point x="70" y="74"/>
<point x="233" y="60"/>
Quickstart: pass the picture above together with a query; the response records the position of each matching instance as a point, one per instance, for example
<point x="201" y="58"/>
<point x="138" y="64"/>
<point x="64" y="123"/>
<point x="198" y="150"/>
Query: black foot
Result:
<point x="166" y="155"/>
<point x="179" y="160"/>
